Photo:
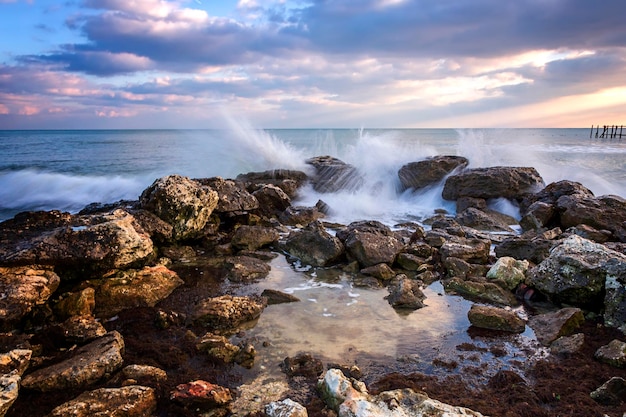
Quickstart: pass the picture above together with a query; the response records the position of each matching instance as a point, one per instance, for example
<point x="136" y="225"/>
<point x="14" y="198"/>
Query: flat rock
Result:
<point x="494" y="318"/>
<point x="550" y="326"/>
<point x="493" y="182"/>
<point x="253" y="237"/>
<point x="245" y="268"/>
<point x="88" y="365"/>
<point x="128" y="401"/>
<point x="227" y="311"/>
<point x="614" y="354"/>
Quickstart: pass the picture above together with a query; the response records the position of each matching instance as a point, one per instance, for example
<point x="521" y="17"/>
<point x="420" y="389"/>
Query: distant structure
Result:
<point x="610" y="131"/>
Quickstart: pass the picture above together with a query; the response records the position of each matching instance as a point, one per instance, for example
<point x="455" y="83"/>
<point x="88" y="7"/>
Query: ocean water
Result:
<point x="66" y="170"/>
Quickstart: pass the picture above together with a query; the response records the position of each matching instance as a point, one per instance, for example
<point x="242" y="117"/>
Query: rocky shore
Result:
<point x="120" y="309"/>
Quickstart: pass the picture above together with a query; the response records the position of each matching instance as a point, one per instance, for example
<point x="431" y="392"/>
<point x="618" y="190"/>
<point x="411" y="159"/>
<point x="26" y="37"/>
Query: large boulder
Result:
<point x="22" y="288"/>
<point x="508" y="271"/>
<point x="473" y="250"/>
<point x="96" y="242"/>
<point x="430" y="171"/>
<point x="88" y="365"/>
<point x="370" y="243"/>
<point x="287" y="180"/>
<point x="232" y="196"/>
<point x="576" y="272"/>
<point x="487" y="220"/>
<point x="253" y="237"/>
<point x="128" y="401"/>
<point x="314" y="246"/>
<point x="602" y="213"/>
<point x="332" y="174"/>
<point x="272" y="200"/>
<point x="349" y="398"/>
<point x="494" y="182"/>
<point x="134" y="288"/>
<point x="184" y="203"/>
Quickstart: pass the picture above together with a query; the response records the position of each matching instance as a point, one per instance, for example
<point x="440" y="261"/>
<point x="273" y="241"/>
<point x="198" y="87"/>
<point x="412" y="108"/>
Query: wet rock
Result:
<point x="380" y="271"/>
<point x="245" y="268"/>
<point x="285" y="408"/>
<point x="158" y="229"/>
<point x="314" y="245"/>
<point x="409" y="261"/>
<point x="98" y="242"/>
<point x="612" y="392"/>
<point x="494" y="318"/>
<point x="220" y="348"/>
<point x="232" y="196"/>
<point x="183" y="203"/>
<point x="272" y="200"/>
<point x="494" y="182"/>
<point x="370" y="243"/>
<point x="304" y="364"/>
<point x="300" y="216"/>
<point x="405" y="293"/>
<point x="469" y="249"/>
<point x="538" y="215"/>
<point x="201" y="395"/>
<point x="143" y="375"/>
<point x="509" y="271"/>
<point x="253" y="237"/>
<point x="81" y="329"/>
<point x="9" y="390"/>
<point x="15" y="360"/>
<point x="23" y="288"/>
<point x="553" y="191"/>
<point x="430" y="171"/>
<point x="88" y="365"/>
<point x="480" y="291"/>
<point x="613" y="354"/>
<point x="576" y="271"/>
<point x="603" y="213"/>
<point x="550" y="326"/>
<point x="134" y="288"/>
<point x="227" y="311"/>
<point x="485" y="220"/>
<point x="533" y="249"/>
<point x="287" y="180"/>
<point x="349" y="398"/>
<point x="80" y="303"/>
<point x="590" y="233"/>
<point x="567" y="345"/>
<point x="129" y="401"/>
<point x="278" y="297"/>
<point x="615" y="302"/>
<point x="332" y="175"/>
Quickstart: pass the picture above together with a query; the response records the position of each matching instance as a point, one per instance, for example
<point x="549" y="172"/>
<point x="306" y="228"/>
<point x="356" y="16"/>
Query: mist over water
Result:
<point x="66" y="170"/>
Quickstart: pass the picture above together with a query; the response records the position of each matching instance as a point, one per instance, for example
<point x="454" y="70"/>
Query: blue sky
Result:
<point x="306" y="64"/>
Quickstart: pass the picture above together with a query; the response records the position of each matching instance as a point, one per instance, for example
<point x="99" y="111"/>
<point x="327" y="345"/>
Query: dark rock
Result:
<point x="613" y="354"/>
<point x="494" y="182"/>
<point x="485" y="220"/>
<point x="298" y="216"/>
<point x="314" y="245"/>
<point x="480" y="291"/>
<point x="469" y="249"/>
<point x="590" y="233"/>
<point x="128" y="401"/>
<point x="430" y="171"/>
<point x="534" y="250"/>
<point x="278" y="297"/>
<point x="550" y="326"/>
<point x="538" y="215"/>
<point x="231" y="195"/>
<point x="552" y="192"/>
<point x="463" y="203"/>
<point x="253" y="237"/>
<point x="201" y="395"/>
<point x="370" y="243"/>
<point x="245" y="268"/>
<point x="567" y="345"/>
<point x="272" y="200"/>
<point x="227" y="311"/>
<point x="602" y="213"/>
<point x="304" y="364"/>
<point x="405" y="293"/>
<point x="380" y="271"/>
<point x="332" y="174"/>
<point x="612" y="392"/>
<point x="495" y="318"/>
<point x="81" y="329"/>
<point x="287" y="180"/>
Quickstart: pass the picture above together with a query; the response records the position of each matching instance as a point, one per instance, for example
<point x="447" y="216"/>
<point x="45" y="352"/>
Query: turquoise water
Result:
<point x="66" y="170"/>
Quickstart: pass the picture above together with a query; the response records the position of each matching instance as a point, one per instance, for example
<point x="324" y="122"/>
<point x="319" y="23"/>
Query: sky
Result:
<point x="192" y="64"/>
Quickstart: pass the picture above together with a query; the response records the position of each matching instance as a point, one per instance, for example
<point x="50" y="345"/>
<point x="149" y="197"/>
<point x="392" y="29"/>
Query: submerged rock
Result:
<point x="245" y="268"/>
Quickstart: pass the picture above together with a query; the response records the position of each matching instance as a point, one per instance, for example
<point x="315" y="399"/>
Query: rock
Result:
<point x="612" y="392"/>
<point x="615" y="302"/>
<point x="469" y="249"/>
<point x="181" y="202"/>
<point x="349" y="398"/>
<point x="303" y="364"/>
<point x="508" y="182"/>
<point x="488" y="220"/>
<point x="142" y="374"/>
<point x="158" y="229"/>
<point x="602" y="213"/>
<point x="590" y="233"/>
<point x="201" y="395"/>
<point x="510" y="271"/>
<point x="278" y="297"/>
<point x="272" y="200"/>
<point x="285" y="408"/>
<point x="134" y="288"/>
<point x="287" y="180"/>
<point x="253" y="237"/>
<point x="567" y="345"/>
<point x="15" y="360"/>
<point x="227" y="311"/>
<point x="232" y="196"/>
<point x="129" y="401"/>
<point x="220" y="348"/>
<point x="576" y="271"/>
<point x="613" y="354"/>
<point x="553" y="191"/>
<point x="480" y="291"/>
<point x="463" y="203"/>
<point x="538" y="216"/>
<point x="245" y="268"/>
<point x="430" y="171"/>
<point x="314" y="245"/>
<point x="409" y="261"/>
<point x="99" y="242"/>
<point x="9" y="390"/>
<point x="370" y="243"/>
<point x="332" y="175"/>
<point x="81" y="329"/>
<point x="88" y="365"/>
<point x="534" y="250"/>
<point x="80" y="303"/>
<point x="550" y="326"/>
<point x="405" y="293"/>
<point x="494" y="318"/>
<point x="23" y="288"/>
<point x="380" y="271"/>
<point x="299" y="216"/>
<point x="457" y="268"/>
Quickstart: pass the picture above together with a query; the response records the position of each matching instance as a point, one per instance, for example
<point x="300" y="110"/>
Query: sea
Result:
<point x="68" y="169"/>
<point x="338" y="318"/>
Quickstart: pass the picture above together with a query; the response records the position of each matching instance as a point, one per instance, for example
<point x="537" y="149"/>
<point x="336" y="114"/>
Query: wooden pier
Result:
<point x="609" y="131"/>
